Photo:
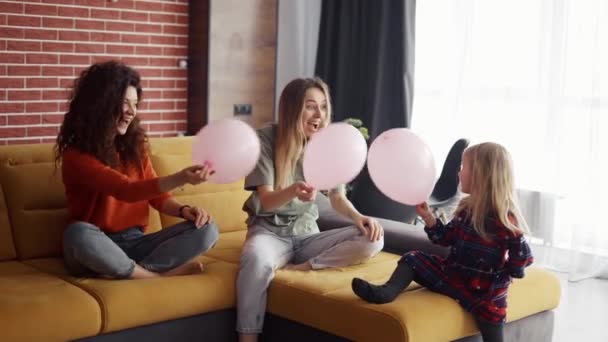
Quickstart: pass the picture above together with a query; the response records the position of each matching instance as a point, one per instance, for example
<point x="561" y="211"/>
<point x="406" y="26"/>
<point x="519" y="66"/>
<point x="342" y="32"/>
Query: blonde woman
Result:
<point x="283" y="232"/>
<point x="488" y="246"/>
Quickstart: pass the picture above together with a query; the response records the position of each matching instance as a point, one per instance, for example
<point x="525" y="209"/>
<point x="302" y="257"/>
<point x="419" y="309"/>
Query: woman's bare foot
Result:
<point x="248" y="337"/>
<point x="192" y="267"/>
<point x="305" y="266"/>
<point x="142" y="273"/>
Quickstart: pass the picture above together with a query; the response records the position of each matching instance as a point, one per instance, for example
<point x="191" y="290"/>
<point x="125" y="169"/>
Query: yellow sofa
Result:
<point x="39" y="301"/>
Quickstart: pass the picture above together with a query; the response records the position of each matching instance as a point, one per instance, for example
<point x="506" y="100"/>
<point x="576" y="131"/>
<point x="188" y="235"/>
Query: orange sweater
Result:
<point x="110" y="199"/>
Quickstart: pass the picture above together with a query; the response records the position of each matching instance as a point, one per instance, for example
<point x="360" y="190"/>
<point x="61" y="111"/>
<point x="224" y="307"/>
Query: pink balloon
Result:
<point x="401" y="165"/>
<point x="333" y="156"/>
<point x="230" y="146"/>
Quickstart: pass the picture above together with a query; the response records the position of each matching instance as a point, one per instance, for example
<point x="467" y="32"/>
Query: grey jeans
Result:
<point x="88" y="251"/>
<point x="264" y="252"/>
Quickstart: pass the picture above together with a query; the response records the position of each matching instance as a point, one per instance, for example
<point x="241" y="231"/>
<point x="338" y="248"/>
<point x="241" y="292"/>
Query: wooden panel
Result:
<point x="242" y="57"/>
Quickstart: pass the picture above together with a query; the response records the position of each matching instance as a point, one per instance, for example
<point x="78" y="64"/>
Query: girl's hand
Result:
<point x="199" y="216"/>
<point x="195" y="174"/>
<point x="303" y="191"/>
<point x="423" y="210"/>
<point x="425" y="213"/>
<point x="370" y="227"/>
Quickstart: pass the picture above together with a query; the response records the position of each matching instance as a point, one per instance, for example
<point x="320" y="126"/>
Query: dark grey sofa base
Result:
<point x="278" y="329"/>
<point x="535" y="328"/>
<point x="219" y="326"/>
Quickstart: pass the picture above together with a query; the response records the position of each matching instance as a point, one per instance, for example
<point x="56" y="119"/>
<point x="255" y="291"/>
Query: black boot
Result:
<point x="400" y="279"/>
<point x="490" y="332"/>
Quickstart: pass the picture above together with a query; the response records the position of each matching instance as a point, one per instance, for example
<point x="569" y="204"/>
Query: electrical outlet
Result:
<point x="242" y="109"/>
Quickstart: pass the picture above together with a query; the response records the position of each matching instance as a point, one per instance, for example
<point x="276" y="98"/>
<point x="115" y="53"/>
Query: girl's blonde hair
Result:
<point x="492" y="189"/>
<point x="290" y="137"/>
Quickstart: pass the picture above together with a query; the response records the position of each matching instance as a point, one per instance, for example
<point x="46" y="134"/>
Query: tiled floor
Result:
<point x="582" y="315"/>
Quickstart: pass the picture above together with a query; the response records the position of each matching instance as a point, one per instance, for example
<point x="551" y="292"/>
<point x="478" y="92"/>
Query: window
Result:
<point x="533" y="76"/>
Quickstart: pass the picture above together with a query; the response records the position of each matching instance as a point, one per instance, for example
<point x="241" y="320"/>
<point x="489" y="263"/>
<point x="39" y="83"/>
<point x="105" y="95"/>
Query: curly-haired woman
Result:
<point x="110" y="183"/>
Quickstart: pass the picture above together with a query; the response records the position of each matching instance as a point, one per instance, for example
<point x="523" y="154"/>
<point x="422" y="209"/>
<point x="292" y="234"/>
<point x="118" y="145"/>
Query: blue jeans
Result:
<point x="88" y="251"/>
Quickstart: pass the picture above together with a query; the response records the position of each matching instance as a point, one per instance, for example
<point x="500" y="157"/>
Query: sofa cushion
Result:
<point x="36" y="306"/>
<point x="333" y="307"/>
<point x="228" y="247"/>
<point x="27" y="154"/>
<point x="7" y="248"/>
<point x="36" y="202"/>
<point x="131" y="303"/>
<point x="173" y="145"/>
<point x="222" y="201"/>
<point x="413" y="316"/>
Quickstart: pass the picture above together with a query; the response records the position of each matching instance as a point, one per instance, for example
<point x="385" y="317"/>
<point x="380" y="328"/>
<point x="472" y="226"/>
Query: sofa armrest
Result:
<point x="399" y="237"/>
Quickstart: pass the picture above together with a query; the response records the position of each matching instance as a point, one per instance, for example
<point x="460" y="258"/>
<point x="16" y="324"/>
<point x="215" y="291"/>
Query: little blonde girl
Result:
<point x="487" y="245"/>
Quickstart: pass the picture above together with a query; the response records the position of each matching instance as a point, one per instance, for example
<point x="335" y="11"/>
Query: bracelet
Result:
<point x="181" y="209"/>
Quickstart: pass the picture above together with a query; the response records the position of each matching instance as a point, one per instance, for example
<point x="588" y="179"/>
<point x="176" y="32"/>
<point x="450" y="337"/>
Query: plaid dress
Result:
<point x="477" y="272"/>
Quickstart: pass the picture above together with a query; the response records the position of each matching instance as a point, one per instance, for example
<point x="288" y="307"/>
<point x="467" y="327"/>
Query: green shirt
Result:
<point x="293" y="218"/>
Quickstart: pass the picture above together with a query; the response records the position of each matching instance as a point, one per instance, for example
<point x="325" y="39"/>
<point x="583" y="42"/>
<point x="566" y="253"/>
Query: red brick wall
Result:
<point x="45" y="44"/>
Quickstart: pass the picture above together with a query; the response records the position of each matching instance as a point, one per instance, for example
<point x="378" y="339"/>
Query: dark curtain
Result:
<point x="366" y="55"/>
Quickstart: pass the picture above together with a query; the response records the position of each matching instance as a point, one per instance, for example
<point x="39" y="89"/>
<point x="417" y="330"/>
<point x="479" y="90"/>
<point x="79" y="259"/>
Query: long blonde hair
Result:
<point x="290" y="137"/>
<point x="492" y="189"/>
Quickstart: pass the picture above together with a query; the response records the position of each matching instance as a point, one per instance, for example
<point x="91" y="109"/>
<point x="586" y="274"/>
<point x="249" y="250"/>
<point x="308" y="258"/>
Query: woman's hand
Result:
<point x="369" y="226"/>
<point x="195" y="174"/>
<point x="199" y="216"/>
<point x="303" y="191"/>
<point x="425" y="213"/>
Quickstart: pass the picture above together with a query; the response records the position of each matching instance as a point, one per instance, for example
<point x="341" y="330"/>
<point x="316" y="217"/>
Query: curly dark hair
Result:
<point x="96" y="104"/>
